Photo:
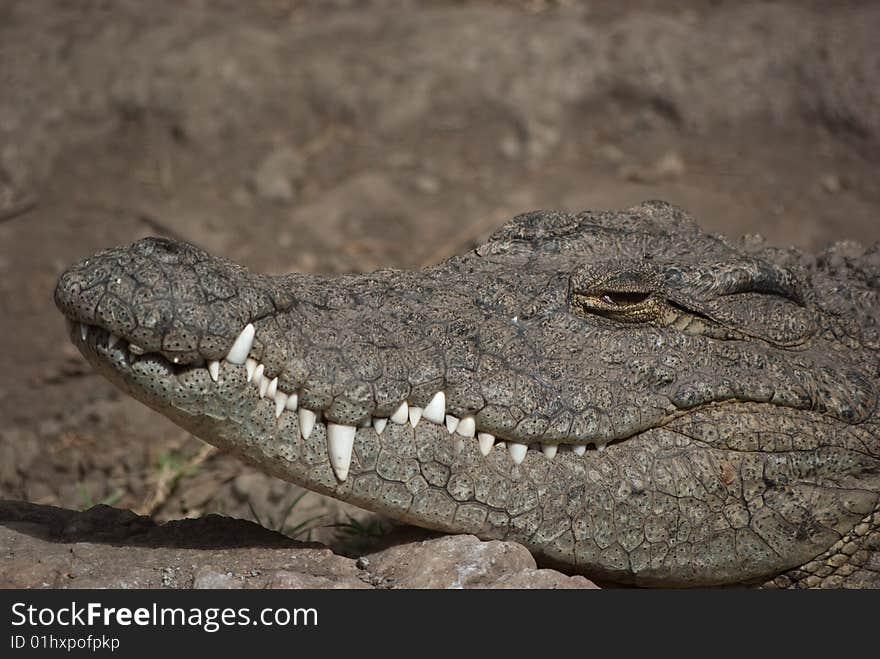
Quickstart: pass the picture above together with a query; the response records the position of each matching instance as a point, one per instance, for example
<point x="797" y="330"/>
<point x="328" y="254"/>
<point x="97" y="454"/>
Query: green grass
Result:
<point x="303" y="528"/>
<point x="86" y="500"/>
<point x="355" y="536"/>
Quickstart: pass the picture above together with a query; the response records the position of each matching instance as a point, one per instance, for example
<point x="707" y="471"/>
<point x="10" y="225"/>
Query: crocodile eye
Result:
<point x="624" y="298"/>
<point x="632" y="295"/>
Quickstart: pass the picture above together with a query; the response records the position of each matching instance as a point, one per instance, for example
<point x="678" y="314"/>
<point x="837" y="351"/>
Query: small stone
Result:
<point x="428" y="184"/>
<point x="277" y="176"/>
<point x="610" y="153"/>
<point x="208" y="577"/>
<point x="831" y="183"/>
<point x="510" y="147"/>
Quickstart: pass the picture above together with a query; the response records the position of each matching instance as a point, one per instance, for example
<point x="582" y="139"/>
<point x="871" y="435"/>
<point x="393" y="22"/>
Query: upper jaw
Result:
<point x="165" y="298"/>
<point x="152" y="378"/>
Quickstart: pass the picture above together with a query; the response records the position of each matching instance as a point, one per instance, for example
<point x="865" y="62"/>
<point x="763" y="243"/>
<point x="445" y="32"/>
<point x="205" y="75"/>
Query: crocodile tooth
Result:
<point x="292" y="401"/>
<point x="272" y="389"/>
<point x="517" y="451"/>
<point x="112" y="340"/>
<point x="401" y="414"/>
<point x="467" y="426"/>
<point x="451" y="423"/>
<point x="83" y="331"/>
<point x="135" y="349"/>
<point x="379" y="424"/>
<point x="239" y="351"/>
<point x="415" y="415"/>
<point x="307" y="420"/>
<point x="435" y="411"/>
<point x="264" y="386"/>
<point x="550" y="450"/>
<point x="340" y="440"/>
<point x="214" y="369"/>
<point x="258" y="374"/>
<point x="487" y="441"/>
<point x="580" y="449"/>
<point x="280" y="403"/>
<point x="250" y="366"/>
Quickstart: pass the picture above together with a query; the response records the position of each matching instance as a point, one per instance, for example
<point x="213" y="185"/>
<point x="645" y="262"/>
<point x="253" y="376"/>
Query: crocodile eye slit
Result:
<point x="624" y="298"/>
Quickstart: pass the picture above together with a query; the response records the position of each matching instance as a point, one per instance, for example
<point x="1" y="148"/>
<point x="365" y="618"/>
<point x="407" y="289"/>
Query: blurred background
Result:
<point x="348" y="135"/>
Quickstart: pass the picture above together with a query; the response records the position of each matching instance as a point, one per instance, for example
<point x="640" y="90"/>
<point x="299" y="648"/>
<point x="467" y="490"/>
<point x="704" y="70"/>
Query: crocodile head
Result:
<point x="625" y="395"/>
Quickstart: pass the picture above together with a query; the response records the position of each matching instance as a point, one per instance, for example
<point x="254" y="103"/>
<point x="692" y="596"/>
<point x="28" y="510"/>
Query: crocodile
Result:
<point x="626" y="395"/>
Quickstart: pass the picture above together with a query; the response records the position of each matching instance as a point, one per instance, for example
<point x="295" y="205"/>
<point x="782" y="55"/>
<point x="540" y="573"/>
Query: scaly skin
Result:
<point x="733" y="389"/>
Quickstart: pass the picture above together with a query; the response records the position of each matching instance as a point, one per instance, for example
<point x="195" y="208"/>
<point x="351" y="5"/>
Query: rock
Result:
<point x="278" y="174"/>
<point x="464" y="561"/>
<point x="209" y="577"/>
<point x="669" y="167"/>
<point x="831" y="183"/>
<point x="106" y="547"/>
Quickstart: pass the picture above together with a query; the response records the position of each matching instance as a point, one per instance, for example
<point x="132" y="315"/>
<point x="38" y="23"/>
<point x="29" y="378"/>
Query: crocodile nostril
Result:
<point x="163" y="249"/>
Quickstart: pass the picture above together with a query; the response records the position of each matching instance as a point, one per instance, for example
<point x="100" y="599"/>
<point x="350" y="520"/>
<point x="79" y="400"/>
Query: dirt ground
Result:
<point x="348" y="135"/>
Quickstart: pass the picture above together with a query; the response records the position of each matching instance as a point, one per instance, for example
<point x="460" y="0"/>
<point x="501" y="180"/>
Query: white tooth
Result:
<point x="112" y="340"/>
<point x="292" y="401"/>
<point x="435" y="411"/>
<point x="379" y="424"/>
<point x="401" y="414"/>
<point x="135" y="349"/>
<point x="467" y="426"/>
<point x="84" y="331"/>
<point x="273" y="388"/>
<point x="239" y="351"/>
<point x="307" y="420"/>
<point x="340" y="440"/>
<point x="415" y="415"/>
<point x="264" y="386"/>
<point x="487" y="441"/>
<point x="550" y="450"/>
<point x="258" y="374"/>
<point x="280" y="402"/>
<point x="214" y="369"/>
<point x="250" y="366"/>
<point x="451" y="423"/>
<point x="580" y="449"/>
<point x="517" y="451"/>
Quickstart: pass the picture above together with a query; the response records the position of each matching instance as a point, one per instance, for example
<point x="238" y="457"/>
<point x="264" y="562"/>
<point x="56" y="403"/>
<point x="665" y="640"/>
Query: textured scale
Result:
<point x="735" y="387"/>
